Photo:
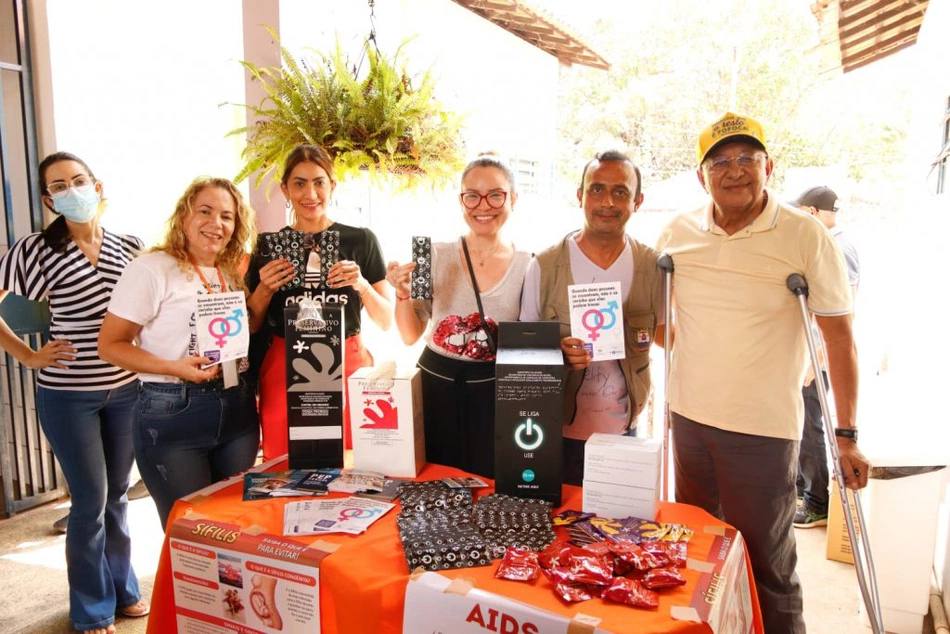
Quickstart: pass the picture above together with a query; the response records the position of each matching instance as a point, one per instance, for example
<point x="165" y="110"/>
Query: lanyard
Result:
<point x="204" y="280"/>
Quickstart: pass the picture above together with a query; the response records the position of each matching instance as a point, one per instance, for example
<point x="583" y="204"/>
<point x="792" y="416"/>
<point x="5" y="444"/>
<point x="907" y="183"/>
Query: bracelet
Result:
<point x="847" y="432"/>
<point x="402" y="299"/>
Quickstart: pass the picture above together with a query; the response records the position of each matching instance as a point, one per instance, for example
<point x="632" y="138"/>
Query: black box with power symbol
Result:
<point x="529" y="371"/>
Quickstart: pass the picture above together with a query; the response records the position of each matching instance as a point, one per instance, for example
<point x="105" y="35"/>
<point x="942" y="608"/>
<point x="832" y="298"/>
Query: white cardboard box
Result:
<point x="625" y="460"/>
<point x="386" y="415"/>
<point x="618" y="501"/>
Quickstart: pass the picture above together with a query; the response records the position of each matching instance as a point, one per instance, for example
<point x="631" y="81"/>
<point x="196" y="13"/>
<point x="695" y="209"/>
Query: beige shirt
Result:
<point x="740" y="351"/>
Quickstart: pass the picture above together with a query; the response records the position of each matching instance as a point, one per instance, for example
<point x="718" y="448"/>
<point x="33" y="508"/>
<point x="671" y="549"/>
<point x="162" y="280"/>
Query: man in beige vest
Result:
<point x="602" y="396"/>
<point x="739" y="355"/>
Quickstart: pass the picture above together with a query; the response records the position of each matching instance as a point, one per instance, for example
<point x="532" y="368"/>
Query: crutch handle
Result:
<point x="665" y="262"/>
<point x="797" y="284"/>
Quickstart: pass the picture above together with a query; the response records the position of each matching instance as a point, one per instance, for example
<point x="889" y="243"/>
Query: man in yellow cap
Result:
<point x="740" y="354"/>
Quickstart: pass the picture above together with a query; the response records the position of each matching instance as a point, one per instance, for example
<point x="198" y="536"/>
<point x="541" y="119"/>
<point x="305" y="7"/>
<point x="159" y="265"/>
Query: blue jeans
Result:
<point x="813" y="458"/>
<point x="189" y="436"/>
<point x="91" y="436"/>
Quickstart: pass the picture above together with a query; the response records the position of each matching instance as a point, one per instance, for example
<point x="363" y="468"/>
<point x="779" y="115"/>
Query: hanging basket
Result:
<point x="382" y="121"/>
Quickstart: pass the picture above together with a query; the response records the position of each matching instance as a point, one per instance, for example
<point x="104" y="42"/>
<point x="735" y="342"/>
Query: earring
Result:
<point x="289" y="205"/>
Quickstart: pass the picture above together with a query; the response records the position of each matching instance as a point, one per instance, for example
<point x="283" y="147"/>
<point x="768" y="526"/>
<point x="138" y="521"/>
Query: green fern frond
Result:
<point x="385" y="122"/>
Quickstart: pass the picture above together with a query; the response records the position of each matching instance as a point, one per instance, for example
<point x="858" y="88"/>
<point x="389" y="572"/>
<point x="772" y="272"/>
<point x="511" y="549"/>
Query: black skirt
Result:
<point x="459" y="411"/>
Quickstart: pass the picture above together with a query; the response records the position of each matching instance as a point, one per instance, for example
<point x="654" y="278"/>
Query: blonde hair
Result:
<point x="231" y="260"/>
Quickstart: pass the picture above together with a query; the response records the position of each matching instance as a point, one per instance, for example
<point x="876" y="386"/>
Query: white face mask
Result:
<point x="78" y="204"/>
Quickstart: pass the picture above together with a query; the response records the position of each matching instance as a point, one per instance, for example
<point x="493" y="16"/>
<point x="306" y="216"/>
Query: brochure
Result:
<point x="387" y="493"/>
<point x="352" y="515"/>
<point x="259" y="486"/>
<point x="469" y="482"/>
<point x="318" y="480"/>
<point x="350" y="481"/>
<point x="597" y="319"/>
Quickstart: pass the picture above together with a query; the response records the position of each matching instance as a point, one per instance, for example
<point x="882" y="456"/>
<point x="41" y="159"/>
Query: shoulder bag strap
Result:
<point x="478" y="297"/>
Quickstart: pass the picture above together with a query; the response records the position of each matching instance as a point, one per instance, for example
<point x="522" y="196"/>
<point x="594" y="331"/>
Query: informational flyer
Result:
<point x="227" y="580"/>
<point x="351" y="515"/>
<point x="222" y="327"/>
<point x="597" y="318"/>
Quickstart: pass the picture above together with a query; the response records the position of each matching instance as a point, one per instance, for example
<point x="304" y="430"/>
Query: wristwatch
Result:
<point x="847" y="432"/>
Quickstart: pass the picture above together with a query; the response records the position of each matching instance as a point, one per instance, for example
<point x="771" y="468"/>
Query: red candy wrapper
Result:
<point x="663" y="578"/>
<point x="631" y="592"/>
<point x="674" y="552"/>
<point x="518" y="565"/>
<point x="636" y="556"/>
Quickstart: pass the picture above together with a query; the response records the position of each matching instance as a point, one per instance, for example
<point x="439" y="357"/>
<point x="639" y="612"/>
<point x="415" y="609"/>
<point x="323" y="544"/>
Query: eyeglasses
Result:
<point x="744" y="162"/>
<point x="495" y="199"/>
<point x="598" y="191"/>
<point x="59" y="188"/>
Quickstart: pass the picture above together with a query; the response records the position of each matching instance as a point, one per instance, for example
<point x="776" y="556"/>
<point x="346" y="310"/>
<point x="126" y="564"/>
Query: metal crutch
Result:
<point x="867" y="579"/>
<point x="665" y="262"/>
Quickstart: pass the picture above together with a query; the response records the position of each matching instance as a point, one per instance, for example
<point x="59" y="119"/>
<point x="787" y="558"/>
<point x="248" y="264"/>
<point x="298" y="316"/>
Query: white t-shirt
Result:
<point x="155" y="293"/>
<point x="602" y="401"/>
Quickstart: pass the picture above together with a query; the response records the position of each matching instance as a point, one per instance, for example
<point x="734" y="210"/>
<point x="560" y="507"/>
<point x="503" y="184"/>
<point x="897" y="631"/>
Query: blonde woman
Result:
<point x="190" y="429"/>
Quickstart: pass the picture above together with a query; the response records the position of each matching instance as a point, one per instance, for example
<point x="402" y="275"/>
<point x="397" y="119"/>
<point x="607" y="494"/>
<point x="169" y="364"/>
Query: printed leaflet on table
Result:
<point x="351" y="515"/>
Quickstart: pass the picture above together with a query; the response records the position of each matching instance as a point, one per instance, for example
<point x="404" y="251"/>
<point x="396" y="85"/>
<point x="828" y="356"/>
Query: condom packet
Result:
<point x="631" y="592"/>
<point x="659" y="578"/>
<point x="518" y="564"/>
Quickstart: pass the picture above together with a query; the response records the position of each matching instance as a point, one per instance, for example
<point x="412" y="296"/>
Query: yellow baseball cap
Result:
<point x="728" y="126"/>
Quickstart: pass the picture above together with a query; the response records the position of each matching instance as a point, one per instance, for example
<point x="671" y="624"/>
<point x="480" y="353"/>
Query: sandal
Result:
<point x="136" y="610"/>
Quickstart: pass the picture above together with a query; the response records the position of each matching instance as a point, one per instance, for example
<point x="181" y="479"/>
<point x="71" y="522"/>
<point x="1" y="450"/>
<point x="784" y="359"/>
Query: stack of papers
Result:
<point x="351" y="515"/>
<point x="293" y="483"/>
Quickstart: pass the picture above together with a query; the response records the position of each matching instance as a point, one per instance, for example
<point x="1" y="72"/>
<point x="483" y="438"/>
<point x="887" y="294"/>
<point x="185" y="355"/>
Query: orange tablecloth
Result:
<point x="363" y="584"/>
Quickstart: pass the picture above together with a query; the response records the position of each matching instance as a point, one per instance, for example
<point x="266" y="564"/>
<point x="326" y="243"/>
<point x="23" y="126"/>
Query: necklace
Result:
<point x="204" y="280"/>
<point x="490" y="253"/>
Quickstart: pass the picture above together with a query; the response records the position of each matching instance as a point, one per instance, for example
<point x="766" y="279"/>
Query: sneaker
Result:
<point x="138" y="491"/>
<point x="805" y="518"/>
<point x="60" y="525"/>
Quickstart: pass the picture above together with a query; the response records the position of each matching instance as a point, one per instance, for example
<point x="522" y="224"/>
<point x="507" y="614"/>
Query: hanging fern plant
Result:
<point x="384" y="122"/>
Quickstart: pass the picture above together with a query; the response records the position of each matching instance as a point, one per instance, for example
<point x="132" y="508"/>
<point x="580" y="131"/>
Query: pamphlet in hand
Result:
<point x="597" y="319"/>
<point x="352" y="515"/>
<point x="259" y="486"/>
<point x="221" y="327"/>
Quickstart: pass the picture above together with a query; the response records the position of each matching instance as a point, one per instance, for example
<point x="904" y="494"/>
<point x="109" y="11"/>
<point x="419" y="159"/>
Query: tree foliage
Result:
<point x="677" y="65"/>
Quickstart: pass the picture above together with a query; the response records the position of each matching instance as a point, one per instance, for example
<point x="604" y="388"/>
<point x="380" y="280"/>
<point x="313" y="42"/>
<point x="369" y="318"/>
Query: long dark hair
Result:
<point x="56" y="235"/>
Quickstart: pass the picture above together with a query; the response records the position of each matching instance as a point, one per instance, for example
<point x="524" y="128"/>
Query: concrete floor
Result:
<point x="35" y="599"/>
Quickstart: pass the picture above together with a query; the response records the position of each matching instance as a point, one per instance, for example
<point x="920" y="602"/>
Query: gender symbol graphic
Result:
<point x="357" y="514"/>
<point x="597" y="319"/>
<point x="224" y="325"/>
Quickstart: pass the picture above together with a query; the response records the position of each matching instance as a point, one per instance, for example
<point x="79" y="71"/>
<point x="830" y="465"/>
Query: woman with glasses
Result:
<point x="357" y="281"/>
<point x="195" y="423"/>
<point x="84" y="404"/>
<point x="458" y="362"/>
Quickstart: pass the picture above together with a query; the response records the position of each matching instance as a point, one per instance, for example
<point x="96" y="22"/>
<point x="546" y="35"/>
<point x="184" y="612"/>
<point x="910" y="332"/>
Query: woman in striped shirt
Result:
<point x="84" y="404"/>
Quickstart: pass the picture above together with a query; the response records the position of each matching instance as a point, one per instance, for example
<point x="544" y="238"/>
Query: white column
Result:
<point x="261" y="49"/>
